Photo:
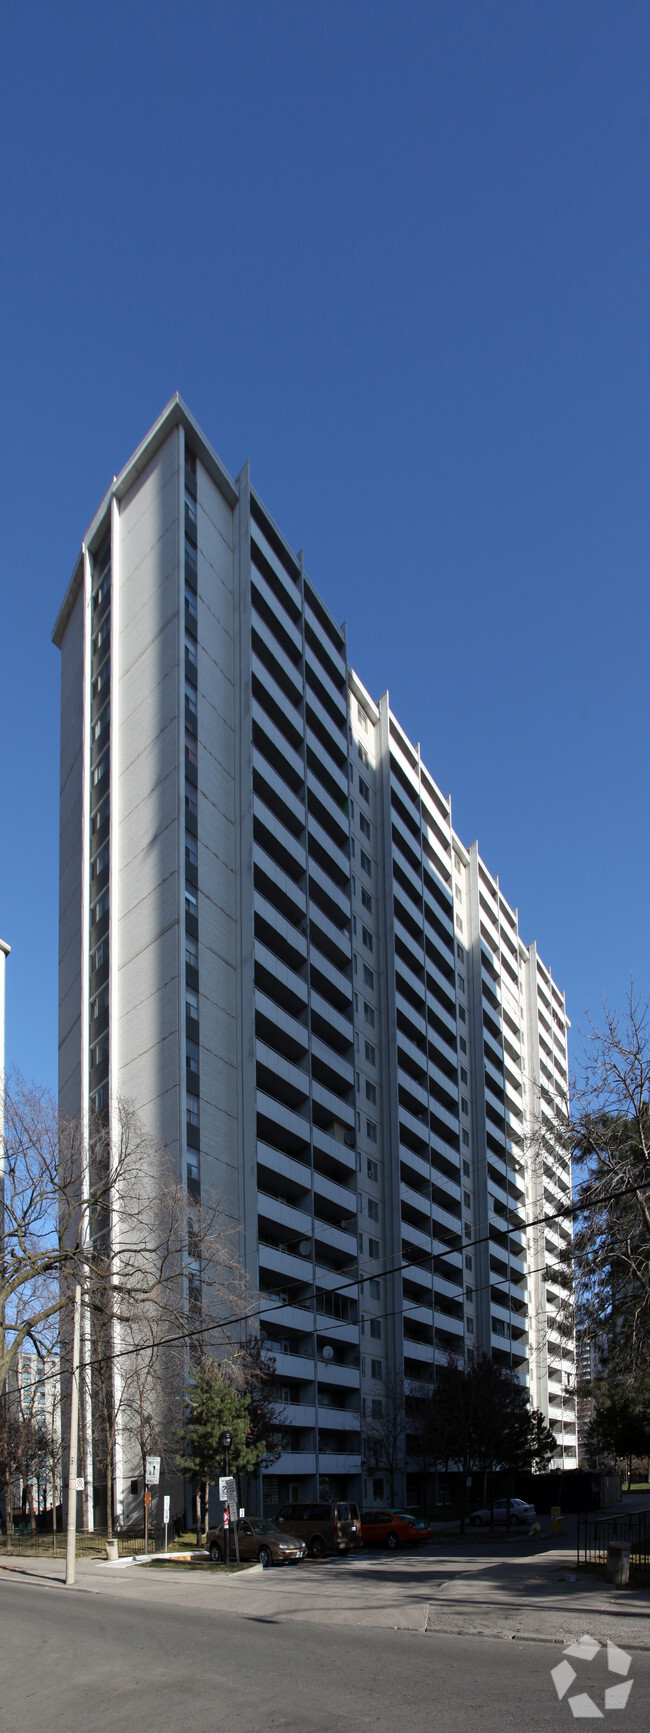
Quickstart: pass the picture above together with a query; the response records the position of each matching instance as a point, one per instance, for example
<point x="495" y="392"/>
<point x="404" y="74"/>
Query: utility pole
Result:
<point x="71" y="1537"/>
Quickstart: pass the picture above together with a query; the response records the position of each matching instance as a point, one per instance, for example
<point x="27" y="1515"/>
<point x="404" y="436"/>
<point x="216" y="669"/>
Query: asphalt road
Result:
<point x="81" y="1663"/>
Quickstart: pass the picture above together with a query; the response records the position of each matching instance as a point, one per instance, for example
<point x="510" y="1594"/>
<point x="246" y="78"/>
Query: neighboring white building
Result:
<point x="272" y="940"/>
<point x="33" y="1394"/>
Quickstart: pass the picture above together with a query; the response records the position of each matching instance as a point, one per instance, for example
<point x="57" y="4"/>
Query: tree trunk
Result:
<point x="197" y="1512"/>
<point x="9" y="1506"/>
<point x="30" y="1506"/>
<point x="109" y="1488"/>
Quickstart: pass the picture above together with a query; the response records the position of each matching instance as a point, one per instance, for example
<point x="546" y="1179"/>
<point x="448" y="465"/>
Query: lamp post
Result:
<point x="225" y="1440"/>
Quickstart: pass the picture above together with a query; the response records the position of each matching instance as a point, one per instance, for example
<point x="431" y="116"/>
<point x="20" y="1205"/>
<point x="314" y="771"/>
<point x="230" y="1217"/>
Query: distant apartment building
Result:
<point x="31" y="1402"/>
<point x="273" y="941"/>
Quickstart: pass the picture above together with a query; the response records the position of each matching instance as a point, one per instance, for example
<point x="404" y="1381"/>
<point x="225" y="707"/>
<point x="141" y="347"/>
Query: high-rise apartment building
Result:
<point x="274" y="943"/>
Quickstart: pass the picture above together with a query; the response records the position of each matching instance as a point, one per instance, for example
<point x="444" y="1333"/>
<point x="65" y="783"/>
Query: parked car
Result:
<point x="258" y="1539"/>
<point x="423" y="1528"/>
<point x="391" y="1528"/>
<point x="333" y="1527"/>
<point x="520" y="1513"/>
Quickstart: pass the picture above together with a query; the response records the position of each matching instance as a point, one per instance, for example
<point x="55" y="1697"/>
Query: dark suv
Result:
<point x="324" y="1527"/>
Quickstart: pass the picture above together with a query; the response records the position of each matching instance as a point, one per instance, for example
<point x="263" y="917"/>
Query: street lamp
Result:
<point x="225" y="1440"/>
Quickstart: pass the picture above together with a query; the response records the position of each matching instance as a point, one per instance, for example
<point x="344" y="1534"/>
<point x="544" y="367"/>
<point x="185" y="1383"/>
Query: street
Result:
<point x="92" y="1662"/>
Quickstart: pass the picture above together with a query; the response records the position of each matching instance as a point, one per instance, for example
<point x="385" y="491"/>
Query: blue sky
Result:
<point x="398" y="256"/>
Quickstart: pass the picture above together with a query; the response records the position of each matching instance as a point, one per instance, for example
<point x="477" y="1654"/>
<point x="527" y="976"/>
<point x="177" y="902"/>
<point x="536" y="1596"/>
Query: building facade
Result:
<point x="274" y="943"/>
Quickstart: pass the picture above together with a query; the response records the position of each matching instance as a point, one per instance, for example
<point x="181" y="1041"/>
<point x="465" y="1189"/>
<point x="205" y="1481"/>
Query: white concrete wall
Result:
<point x="71" y="861"/>
<point x="145" y="798"/>
<point x="217" y="854"/>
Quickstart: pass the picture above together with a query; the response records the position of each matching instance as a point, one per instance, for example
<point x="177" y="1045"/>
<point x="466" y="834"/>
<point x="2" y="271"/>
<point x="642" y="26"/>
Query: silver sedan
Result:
<point x="520" y="1513"/>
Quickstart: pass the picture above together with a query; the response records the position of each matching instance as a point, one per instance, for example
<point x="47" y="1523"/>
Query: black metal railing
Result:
<point x="596" y="1533"/>
<point x="89" y="1545"/>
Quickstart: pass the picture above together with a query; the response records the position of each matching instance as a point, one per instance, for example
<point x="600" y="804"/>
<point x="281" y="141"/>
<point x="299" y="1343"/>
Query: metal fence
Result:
<point x="22" y="1544"/>
<point x="595" y="1533"/>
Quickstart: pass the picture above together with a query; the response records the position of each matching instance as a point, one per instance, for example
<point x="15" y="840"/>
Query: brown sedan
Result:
<point x="258" y="1539"/>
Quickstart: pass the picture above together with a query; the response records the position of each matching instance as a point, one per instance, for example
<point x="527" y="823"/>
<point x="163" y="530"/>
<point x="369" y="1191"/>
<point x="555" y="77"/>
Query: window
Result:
<point x="459" y="923"/>
<point x="462" y="1043"/>
<point x="190" y="651"/>
<point x="457" y="863"/>
<point x="376" y="1409"/>
<point x="375" y="1328"/>
<point x="191" y="1002"/>
<point x="134" y="1488"/>
<point x="368" y="976"/>
<point x="462" y="1013"/>
<point x="373" y="1170"/>
<point x="362" y="753"/>
<point x="192" y="1165"/>
<point x="353" y="849"/>
<point x="101" y="861"/>
<point x="191" y="951"/>
<point x="366" y="899"/>
<point x="360" y="1242"/>
<point x="373" y="1209"/>
<point x="190" y="749"/>
<point x="367" y="939"/>
<point x="370" y="1053"/>
<point x="469" y="1292"/>
<point x="192" y="1112"/>
<point x="362" y="719"/>
<point x="100" y="769"/>
<point x="364" y="825"/>
<point x="190" y="603"/>
<point x="364" y="789"/>
<point x="461" y="983"/>
<point x="463" y="1074"/>
<point x="191" y="804"/>
<point x="99" y="1004"/>
<point x="369" y="1015"/>
<point x="191" y="852"/>
<point x="465" y="1137"/>
<point x="376" y="1369"/>
<point x="371" y="1092"/>
<point x="468" y="1261"/>
<point x="190" y="700"/>
<point x="99" y="956"/>
<point x="366" y="863"/>
<point x="99" y="908"/>
<point x="470" y="1326"/>
<point x="468" y="1231"/>
<point x="373" y="1249"/>
<point x="466" y="1169"/>
<point x="375" y="1289"/>
<point x="459" y="893"/>
<point x="464" y="1105"/>
<point x="467" y="1200"/>
<point x="192" y="1057"/>
<point x="371" y="1131"/>
<point x="191" y="903"/>
<point x="100" y="815"/>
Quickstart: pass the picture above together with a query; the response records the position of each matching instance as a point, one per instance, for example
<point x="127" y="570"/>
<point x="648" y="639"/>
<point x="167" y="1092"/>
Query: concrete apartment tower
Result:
<point x="273" y="942"/>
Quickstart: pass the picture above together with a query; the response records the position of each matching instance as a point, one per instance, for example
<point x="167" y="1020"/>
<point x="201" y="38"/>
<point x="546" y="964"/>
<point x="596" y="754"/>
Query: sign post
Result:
<point x="151" y="1478"/>
<point x="147" y="1507"/>
<point x="166" y="1502"/>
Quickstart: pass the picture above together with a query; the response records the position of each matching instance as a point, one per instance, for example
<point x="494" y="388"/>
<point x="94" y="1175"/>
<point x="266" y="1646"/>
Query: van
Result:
<point x="334" y="1527"/>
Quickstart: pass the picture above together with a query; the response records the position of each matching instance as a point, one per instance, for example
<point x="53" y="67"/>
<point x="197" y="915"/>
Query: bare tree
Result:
<point x="102" y="1207"/>
<point x="385" y="1433"/>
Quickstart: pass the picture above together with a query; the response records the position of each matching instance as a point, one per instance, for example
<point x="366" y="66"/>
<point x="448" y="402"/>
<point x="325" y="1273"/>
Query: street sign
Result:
<point x="166" y="1507"/>
<point x="152" y="1470"/>
<point x="226" y="1518"/>
<point x="228" y="1491"/>
<point x="80" y="1483"/>
<point x="147" y="1501"/>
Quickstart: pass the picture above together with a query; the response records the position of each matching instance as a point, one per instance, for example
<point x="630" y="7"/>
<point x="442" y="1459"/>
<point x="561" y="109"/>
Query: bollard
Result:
<point x="112" y="1550"/>
<point x="618" y="1563"/>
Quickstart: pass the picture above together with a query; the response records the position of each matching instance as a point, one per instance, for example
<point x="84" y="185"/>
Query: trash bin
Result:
<point x="112" y="1550"/>
<point x="618" y="1563"/>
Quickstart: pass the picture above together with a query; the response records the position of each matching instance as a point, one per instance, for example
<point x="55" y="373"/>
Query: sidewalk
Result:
<point x="527" y="1597"/>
